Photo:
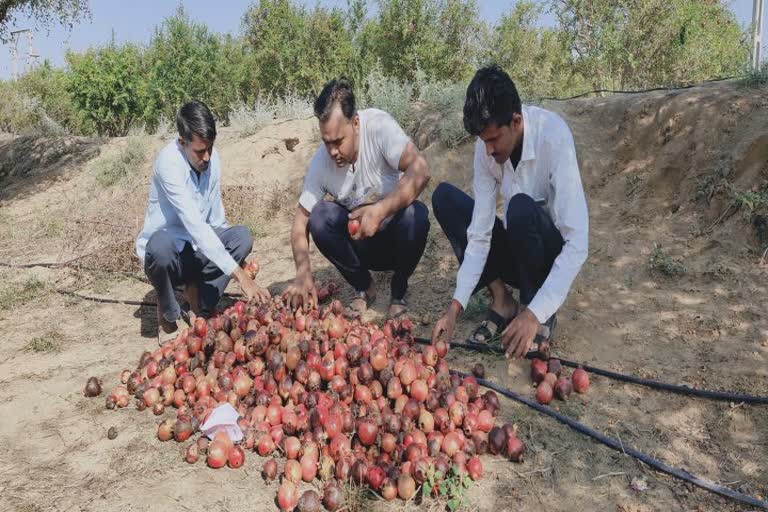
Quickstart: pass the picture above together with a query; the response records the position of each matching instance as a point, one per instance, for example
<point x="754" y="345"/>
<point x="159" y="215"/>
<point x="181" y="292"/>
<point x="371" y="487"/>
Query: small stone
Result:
<point x="111" y="433"/>
<point x="639" y="484"/>
<point x="426" y="319"/>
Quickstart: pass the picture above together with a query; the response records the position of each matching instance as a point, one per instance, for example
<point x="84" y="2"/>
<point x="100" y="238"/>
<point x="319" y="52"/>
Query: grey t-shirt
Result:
<point x="373" y="176"/>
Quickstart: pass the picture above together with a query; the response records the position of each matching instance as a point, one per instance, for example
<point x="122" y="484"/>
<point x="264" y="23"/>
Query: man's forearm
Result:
<point x="408" y="190"/>
<point x="300" y="246"/>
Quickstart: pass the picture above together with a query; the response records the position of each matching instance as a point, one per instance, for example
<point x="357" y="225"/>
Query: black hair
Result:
<point x="491" y="98"/>
<point x="333" y="93"/>
<point x="195" y="118"/>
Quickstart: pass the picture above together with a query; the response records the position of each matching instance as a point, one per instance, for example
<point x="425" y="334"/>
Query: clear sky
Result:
<point x="135" y="20"/>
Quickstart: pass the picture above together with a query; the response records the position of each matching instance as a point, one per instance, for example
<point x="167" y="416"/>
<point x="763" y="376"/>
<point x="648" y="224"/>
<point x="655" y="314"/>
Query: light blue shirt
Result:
<point x="186" y="205"/>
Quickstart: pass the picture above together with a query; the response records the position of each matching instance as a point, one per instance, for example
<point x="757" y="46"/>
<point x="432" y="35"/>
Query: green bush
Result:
<point x="18" y="112"/>
<point x="296" y="51"/>
<point x="436" y="36"/>
<point x="534" y="56"/>
<point x="389" y="94"/>
<point x="48" y="86"/>
<point x="108" y="88"/>
<point x="186" y="62"/>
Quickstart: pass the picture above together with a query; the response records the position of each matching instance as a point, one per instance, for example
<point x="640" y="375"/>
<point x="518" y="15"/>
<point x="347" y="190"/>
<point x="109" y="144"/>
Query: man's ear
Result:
<point x="356" y="121"/>
<point x="181" y="141"/>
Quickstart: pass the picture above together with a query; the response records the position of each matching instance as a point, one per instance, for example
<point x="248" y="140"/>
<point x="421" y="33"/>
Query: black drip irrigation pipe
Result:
<point x="126" y="302"/>
<point x="618" y="446"/>
<point x="663" y="386"/>
<point x="641" y="91"/>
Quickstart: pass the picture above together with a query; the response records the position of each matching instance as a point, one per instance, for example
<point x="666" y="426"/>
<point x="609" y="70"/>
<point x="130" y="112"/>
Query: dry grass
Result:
<point x="16" y="296"/>
<point x="51" y="342"/>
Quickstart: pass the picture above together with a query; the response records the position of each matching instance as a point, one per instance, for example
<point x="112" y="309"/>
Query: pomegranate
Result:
<point x="514" y="449"/>
<point x="217" y="454"/>
<point x="544" y="393"/>
<point x="475" y="468"/>
<point x="292" y="471"/>
<point x="406" y="487"/>
<point x="92" y="387"/>
<point x="580" y="380"/>
<point x="538" y="370"/>
<point x="352" y="226"/>
<point x="269" y="471"/>
<point x="563" y="388"/>
<point x="235" y="457"/>
<point x="192" y="453"/>
<point x="554" y="366"/>
<point x="309" y="502"/>
<point x="333" y="497"/>
<point x="287" y="495"/>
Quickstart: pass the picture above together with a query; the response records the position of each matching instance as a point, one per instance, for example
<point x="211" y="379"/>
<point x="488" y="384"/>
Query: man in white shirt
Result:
<point x="373" y="174"/>
<point x="528" y="155"/>
<point x="186" y="239"/>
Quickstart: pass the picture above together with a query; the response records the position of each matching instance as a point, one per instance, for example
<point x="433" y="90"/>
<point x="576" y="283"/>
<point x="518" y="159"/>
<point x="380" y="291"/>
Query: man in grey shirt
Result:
<point x="186" y="239"/>
<point x="374" y="175"/>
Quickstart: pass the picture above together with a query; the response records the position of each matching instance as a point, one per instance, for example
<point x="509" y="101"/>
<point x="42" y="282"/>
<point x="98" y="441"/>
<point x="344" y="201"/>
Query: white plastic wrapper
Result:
<point x="223" y="418"/>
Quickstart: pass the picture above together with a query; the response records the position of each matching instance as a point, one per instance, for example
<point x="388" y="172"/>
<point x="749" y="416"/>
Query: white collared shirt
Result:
<point x="187" y="205"/>
<point x="548" y="172"/>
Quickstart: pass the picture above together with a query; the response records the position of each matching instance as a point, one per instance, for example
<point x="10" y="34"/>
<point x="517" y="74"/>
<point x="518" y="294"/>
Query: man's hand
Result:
<point x="370" y="217"/>
<point x="447" y="323"/>
<point x="251" y="290"/>
<point x="301" y="292"/>
<point x="518" y="337"/>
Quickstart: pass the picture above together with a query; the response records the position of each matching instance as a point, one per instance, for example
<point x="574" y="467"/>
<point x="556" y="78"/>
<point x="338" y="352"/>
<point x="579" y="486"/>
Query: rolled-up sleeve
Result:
<point x="480" y="229"/>
<point x="569" y="213"/>
<point x="171" y="182"/>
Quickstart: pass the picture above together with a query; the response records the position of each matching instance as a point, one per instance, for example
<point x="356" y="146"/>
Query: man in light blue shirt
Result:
<point x="186" y="239"/>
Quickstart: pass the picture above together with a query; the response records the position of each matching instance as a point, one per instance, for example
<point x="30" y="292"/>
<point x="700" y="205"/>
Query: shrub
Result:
<point x="108" y="88"/>
<point x="115" y="168"/>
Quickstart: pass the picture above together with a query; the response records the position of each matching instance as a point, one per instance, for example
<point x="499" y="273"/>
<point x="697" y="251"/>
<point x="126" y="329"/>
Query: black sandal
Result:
<point x="483" y="334"/>
<point x="547" y="331"/>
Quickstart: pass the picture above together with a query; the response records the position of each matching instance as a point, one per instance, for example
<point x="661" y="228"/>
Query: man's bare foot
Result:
<point x="397" y="308"/>
<point x="503" y="301"/>
<point x="361" y="302"/>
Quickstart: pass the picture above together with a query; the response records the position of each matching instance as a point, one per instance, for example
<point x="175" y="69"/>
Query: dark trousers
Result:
<point x="521" y="255"/>
<point x="168" y="269"/>
<point x="397" y="247"/>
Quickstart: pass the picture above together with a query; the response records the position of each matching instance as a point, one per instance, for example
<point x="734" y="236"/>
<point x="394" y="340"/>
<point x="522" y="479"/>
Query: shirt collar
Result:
<point x="529" y="136"/>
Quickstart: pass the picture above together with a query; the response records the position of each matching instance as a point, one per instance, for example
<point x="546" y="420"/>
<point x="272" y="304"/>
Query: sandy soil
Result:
<point x="657" y="170"/>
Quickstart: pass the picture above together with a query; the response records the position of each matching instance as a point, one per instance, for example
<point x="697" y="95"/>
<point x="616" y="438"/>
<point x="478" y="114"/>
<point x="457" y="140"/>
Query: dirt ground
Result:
<point x="660" y="171"/>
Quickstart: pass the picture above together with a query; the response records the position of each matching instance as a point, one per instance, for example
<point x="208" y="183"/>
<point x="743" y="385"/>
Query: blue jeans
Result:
<point x="521" y="255"/>
<point x="398" y="246"/>
<point x="168" y="268"/>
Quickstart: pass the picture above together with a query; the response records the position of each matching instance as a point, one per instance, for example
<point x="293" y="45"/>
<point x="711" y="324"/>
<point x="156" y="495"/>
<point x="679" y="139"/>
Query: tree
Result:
<point x="637" y="43"/>
<point x="432" y="35"/>
<point x="534" y="56"/>
<point x="295" y="50"/>
<point x="108" y="88"/>
<point x="185" y="62"/>
<point x="44" y="12"/>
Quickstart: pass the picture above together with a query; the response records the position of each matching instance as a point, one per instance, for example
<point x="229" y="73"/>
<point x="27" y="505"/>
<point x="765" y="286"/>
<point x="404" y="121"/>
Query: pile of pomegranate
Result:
<point x="552" y="382"/>
<point x="338" y="400"/>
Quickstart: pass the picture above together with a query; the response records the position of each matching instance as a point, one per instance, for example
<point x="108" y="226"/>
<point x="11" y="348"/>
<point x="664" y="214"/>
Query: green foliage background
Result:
<point x="395" y="51"/>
